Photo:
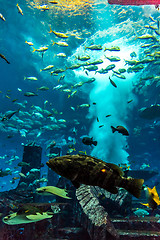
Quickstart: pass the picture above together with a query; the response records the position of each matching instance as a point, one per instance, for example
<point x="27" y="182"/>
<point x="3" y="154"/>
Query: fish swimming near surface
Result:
<point x="29" y="43"/>
<point x="109" y="67"/>
<point x="49" y="67"/>
<point x="58" y="34"/>
<point x="91" y="68"/>
<point x="89" y="141"/>
<point x="122" y="70"/>
<point x="74" y="66"/>
<point x="113" y="48"/>
<point x="43" y="7"/>
<point x="99" y="61"/>
<point x="94" y="47"/>
<point x="19" y="9"/>
<point x="90" y="80"/>
<point x="119" y="76"/>
<point x="121" y="130"/>
<point x="60" y="55"/>
<point x="83" y="58"/>
<point x="53" y="2"/>
<point x="60" y="43"/>
<point x="133" y="54"/>
<point x="84" y="169"/>
<point x="58" y="70"/>
<point x="112" y="82"/>
<point x="113" y="58"/>
<point x="41" y="49"/>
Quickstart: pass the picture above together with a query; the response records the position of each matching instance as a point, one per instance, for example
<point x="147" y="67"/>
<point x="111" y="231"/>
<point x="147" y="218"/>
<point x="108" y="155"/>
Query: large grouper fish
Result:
<point x="83" y="169"/>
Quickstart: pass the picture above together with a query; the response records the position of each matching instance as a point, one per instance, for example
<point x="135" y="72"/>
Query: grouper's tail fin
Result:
<point x="133" y="186"/>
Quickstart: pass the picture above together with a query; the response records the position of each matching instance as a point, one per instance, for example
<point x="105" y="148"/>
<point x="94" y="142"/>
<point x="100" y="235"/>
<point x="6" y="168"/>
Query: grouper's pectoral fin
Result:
<point x="76" y="184"/>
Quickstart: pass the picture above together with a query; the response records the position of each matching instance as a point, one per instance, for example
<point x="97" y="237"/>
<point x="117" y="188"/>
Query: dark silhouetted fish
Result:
<point x="3" y="57"/>
<point x="112" y="82"/>
<point x="89" y="141"/>
<point x="121" y="130"/>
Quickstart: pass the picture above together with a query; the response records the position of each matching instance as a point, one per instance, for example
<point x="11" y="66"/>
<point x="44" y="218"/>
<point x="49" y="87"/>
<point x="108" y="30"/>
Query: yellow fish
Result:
<point x="152" y="198"/>
<point x="29" y="43"/>
<point x="41" y="49"/>
<point x="60" y="43"/>
<point x="43" y="7"/>
<point x="58" y="34"/>
<point x="1" y="16"/>
<point x="19" y="9"/>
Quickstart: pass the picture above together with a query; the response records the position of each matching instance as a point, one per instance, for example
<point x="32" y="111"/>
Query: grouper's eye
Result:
<point x="103" y="170"/>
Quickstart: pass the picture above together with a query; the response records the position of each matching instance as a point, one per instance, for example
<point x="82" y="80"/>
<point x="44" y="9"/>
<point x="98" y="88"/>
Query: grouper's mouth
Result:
<point x="50" y="163"/>
<point x="54" y="165"/>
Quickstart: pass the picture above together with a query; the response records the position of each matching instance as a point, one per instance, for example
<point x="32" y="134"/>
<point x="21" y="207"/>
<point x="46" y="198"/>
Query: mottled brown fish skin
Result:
<point x="95" y="172"/>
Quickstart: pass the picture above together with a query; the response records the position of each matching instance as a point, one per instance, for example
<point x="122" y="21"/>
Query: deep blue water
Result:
<point x="93" y="23"/>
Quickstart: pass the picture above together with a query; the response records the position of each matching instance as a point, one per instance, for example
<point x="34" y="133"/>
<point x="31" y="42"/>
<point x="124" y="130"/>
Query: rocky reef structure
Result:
<point x="31" y="160"/>
<point x="91" y="214"/>
<point x="53" y="177"/>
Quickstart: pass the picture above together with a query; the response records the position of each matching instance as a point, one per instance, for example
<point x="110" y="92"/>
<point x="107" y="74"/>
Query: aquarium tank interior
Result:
<point x="79" y="119"/>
